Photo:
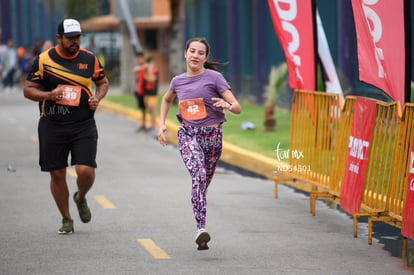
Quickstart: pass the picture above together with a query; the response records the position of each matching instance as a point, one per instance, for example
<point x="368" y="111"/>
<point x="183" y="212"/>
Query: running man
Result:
<point x="61" y="81"/>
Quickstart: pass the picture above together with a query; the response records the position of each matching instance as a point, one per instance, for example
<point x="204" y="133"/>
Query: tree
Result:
<point x="79" y="9"/>
<point x="277" y="83"/>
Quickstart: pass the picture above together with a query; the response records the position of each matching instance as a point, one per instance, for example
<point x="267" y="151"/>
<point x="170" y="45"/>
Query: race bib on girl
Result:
<point x="193" y="109"/>
<point x="71" y="95"/>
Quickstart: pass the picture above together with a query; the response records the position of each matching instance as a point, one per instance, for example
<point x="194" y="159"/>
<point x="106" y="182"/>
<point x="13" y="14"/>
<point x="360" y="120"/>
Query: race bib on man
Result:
<point x="71" y="95"/>
<point x="193" y="109"/>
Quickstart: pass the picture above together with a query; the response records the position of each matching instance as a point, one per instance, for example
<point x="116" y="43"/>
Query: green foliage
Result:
<point x="320" y="85"/>
<point x="412" y="92"/>
<point x="80" y="9"/>
<point x="277" y="82"/>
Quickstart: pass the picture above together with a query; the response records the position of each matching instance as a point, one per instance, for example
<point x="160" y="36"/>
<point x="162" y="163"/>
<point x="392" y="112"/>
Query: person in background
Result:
<point x="91" y="46"/>
<point x="37" y="47"/>
<point x="3" y="48"/>
<point x="47" y="45"/>
<point x="66" y="126"/>
<point x="204" y="95"/>
<point x="139" y="70"/>
<point x="151" y="91"/>
<point x="23" y="56"/>
<point x="10" y="64"/>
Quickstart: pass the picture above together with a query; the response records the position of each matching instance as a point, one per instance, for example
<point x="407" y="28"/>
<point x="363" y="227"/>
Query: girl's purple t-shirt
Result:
<point x="207" y="85"/>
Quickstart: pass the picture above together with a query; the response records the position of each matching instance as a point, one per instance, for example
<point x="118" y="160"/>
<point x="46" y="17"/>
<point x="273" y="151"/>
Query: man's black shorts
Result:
<point x="57" y="140"/>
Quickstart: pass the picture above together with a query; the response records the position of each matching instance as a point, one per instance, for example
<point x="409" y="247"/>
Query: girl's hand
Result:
<point x="219" y="102"/>
<point x="161" y="135"/>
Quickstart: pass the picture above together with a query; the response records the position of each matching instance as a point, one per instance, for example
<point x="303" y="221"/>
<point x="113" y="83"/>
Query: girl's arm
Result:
<point x="166" y="102"/>
<point x="228" y="102"/>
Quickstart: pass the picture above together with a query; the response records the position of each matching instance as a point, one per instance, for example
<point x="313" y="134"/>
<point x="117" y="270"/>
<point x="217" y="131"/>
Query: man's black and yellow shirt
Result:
<point x="75" y="75"/>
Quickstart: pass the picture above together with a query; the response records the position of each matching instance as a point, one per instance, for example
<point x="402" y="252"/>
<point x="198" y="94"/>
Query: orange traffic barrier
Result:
<point x="397" y="183"/>
<point x="376" y="193"/>
<point x="319" y="142"/>
<point x="314" y="127"/>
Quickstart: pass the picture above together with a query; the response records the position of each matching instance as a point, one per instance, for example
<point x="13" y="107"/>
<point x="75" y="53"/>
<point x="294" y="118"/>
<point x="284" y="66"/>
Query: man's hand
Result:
<point x="56" y="94"/>
<point x="93" y="103"/>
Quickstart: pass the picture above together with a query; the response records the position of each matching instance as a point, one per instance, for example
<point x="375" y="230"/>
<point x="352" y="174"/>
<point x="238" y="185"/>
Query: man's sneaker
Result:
<point x="67" y="226"/>
<point x="202" y="238"/>
<point x="84" y="212"/>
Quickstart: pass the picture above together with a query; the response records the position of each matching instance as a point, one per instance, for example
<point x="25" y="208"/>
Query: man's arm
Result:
<point x="102" y="87"/>
<point x="31" y="90"/>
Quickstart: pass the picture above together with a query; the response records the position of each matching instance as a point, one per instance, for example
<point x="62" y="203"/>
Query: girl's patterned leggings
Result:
<point x="200" y="148"/>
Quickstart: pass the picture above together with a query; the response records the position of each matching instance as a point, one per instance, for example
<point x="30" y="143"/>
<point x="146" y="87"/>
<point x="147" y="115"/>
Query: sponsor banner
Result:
<point x="407" y="227"/>
<point x="380" y="34"/>
<point x="357" y="157"/>
<point x="293" y="23"/>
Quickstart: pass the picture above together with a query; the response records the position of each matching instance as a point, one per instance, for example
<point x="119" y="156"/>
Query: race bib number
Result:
<point x="71" y="95"/>
<point x="193" y="109"/>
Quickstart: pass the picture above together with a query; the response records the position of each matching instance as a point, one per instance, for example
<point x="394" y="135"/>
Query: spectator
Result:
<point x="24" y="57"/>
<point x="91" y="47"/>
<point x="151" y="91"/>
<point x="139" y="70"/>
<point x="37" y="47"/>
<point x="3" y="48"/>
<point x="47" y="45"/>
<point x="10" y="64"/>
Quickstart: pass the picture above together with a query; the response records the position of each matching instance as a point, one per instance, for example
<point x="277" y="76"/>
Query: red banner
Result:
<point x="293" y="23"/>
<point x="407" y="227"/>
<point x="358" y="152"/>
<point x="381" y="44"/>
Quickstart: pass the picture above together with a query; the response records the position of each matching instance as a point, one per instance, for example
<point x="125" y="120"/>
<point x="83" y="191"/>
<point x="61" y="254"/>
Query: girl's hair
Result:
<point x="209" y="64"/>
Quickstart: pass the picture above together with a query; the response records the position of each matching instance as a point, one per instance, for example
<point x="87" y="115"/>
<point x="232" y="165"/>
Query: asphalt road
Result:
<point x="142" y="221"/>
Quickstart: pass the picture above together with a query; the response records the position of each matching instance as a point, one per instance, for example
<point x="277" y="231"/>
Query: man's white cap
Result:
<point x="69" y="27"/>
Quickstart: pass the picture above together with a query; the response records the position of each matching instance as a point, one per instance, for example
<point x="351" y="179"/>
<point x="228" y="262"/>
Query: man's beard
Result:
<point x="72" y="49"/>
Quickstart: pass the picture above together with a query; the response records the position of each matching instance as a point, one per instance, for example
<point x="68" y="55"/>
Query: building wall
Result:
<point x="25" y="20"/>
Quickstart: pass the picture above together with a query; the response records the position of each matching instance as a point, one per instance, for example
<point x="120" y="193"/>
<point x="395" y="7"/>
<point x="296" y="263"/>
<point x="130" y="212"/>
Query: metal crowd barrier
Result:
<point x="318" y="153"/>
<point x="314" y="127"/>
